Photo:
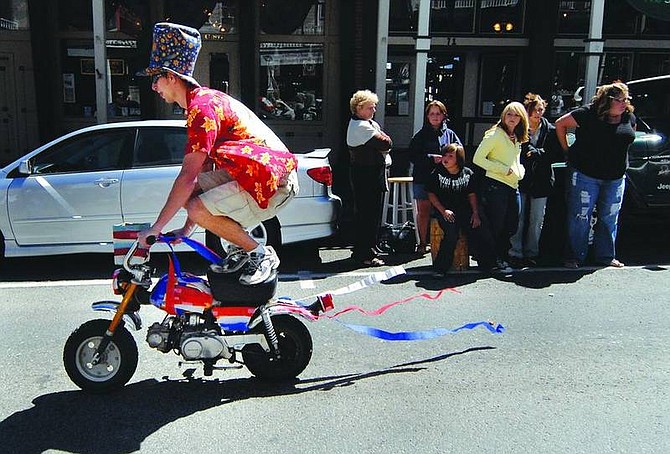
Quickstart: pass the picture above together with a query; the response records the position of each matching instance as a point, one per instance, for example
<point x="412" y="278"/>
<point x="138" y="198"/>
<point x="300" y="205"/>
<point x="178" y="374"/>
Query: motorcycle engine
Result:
<point x="158" y="337"/>
<point x="203" y="345"/>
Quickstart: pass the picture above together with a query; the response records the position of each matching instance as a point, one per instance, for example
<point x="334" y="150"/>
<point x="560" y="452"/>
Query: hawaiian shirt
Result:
<point x="236" y="140"/>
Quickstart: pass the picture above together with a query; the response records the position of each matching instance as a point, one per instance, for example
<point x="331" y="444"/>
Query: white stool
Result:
<point x="398" y="200"/>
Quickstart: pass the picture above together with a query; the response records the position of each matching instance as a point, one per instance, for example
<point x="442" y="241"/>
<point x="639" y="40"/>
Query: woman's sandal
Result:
<point x="615" y="264"/>
<point x="375" y="261"/>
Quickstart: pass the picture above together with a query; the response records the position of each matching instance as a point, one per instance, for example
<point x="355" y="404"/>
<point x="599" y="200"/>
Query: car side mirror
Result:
<point x="25" y="167"/>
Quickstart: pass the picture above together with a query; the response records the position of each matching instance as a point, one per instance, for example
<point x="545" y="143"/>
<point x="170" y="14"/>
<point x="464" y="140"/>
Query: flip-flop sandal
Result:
<point x="373" y="262"/>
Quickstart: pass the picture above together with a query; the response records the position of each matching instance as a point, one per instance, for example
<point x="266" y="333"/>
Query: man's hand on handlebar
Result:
<point x="142" y="237"/>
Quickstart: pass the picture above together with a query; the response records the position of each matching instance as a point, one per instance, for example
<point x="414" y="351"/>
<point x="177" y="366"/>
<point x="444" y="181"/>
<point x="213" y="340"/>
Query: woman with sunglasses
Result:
<point x="597" y="162"/>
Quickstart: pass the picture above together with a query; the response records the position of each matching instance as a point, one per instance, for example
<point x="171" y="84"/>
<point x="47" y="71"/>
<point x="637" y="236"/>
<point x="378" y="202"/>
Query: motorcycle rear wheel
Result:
<point x="295" y="348"/>
<point x="117" y="364"/>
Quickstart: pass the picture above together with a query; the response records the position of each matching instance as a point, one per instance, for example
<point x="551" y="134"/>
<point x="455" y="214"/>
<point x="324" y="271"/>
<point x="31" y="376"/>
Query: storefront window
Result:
<point x="403" y="16"/>
<point x="397" y="89"/>
<point x="573" y="17"/>
<point x="75" y="15"/>
<point x="78" y="79"/>
<point x="14" y="15"/>
<point x="498" y="79"/>
<point x="291" y="81"/>
<point x="501" y="16"/>
<point x="292" y="17"/>
<point x="569" y="78"/>
<point x="650" y="26"/>
<point x="452" y="16"/>
<point x="444" y="81"/>
<point x="620" y="19"/>
<point x="650" y="65"/>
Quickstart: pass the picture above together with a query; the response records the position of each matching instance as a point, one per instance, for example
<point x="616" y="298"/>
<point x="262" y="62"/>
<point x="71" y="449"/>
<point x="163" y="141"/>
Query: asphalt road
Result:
<point x="582" y="367"/>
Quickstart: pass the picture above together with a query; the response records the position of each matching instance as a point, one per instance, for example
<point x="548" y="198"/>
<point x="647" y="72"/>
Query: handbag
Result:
<point x="398" y="238"/>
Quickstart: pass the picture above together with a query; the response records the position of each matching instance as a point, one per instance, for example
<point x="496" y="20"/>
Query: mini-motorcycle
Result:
<point x="207" y="320"/>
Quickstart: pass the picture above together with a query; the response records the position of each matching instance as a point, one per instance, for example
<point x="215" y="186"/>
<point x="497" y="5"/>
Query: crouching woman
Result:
<point x="451" y="191"/>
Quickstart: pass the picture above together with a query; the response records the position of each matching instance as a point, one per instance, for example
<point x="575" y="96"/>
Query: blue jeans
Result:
<point x="501" y="206"/>
<point x="526" y="240"/>
<point x="583" y="195"/>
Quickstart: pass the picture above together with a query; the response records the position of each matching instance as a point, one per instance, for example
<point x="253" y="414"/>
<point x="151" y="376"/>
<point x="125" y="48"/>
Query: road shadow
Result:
<point x="77" y="422"/>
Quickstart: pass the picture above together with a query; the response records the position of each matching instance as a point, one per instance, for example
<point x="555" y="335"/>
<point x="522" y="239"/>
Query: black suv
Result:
<point x="648" y="184"/>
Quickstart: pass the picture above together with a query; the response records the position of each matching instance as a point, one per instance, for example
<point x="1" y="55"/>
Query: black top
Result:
<point x="452" y="189"/>
<point x="428" y="141"/>
<point x="538" y="180"/>
<point x="601" y="149"/>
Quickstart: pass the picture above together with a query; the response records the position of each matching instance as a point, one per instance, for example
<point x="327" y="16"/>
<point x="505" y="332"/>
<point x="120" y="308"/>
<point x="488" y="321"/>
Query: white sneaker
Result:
<point x="236" y="258"/>
<point x="259" y="267"/>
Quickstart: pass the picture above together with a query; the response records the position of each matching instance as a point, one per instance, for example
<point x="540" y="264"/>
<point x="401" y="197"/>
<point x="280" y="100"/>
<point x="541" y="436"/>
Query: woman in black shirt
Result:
<point x="597" y="162"/>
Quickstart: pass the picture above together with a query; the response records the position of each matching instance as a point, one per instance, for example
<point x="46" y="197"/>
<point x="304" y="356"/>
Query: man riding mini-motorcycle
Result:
<point x="236" y="172"/>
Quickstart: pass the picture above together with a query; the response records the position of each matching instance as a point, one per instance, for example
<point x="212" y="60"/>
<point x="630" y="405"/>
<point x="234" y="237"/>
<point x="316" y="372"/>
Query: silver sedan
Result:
<point x="65" y="196"/>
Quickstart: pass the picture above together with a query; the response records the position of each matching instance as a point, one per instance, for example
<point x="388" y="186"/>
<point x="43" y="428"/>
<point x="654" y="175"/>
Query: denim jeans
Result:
<point x="501" y="206"/>
<point x="583" y="195"/>
<point x="526" y="240"/>
<point x="480" y="242"/>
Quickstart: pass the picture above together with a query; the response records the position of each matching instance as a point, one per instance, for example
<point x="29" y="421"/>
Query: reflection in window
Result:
<point x="617" y="67"/>
<point x="222" y="19"/>
<point x="397" y="89"/>
<point x="93" y="152"/>
<point x="14" y="15"/>
<point x="569" y="78"/>
<point x="292" y="17"/>
<point x="649" y="65"/>
<point x="291" y="81"/>
<point x="160" y="146"/>
<point x="452" y="16"/>
<point x="498" y="77"/>
<point x="444" y="81"/>
<point x="501" y="16"/>
<point x="403" y="16"/>
<point x="651" y="26"/>
<point x="75" y="15"/>
<point x="573" y="17"/>
<point x="619" y="19"/>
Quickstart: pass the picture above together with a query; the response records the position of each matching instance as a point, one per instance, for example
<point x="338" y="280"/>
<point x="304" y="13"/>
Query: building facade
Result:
<point x="296" y="62"/>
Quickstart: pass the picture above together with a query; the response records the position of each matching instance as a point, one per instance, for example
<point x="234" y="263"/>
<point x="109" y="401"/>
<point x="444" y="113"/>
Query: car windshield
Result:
<point x="651" y="99"/>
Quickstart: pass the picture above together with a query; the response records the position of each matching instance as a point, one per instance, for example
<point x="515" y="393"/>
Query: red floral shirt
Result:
<point x="237" y="141"/>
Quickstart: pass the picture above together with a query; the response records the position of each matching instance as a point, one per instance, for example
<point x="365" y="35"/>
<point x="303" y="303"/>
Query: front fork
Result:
<point x="116" y="320"/>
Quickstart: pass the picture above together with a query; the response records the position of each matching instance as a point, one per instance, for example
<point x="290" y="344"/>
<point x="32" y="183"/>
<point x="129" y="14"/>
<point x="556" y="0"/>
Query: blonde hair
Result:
<point x="602" y="101"/>
<point x="521" y="129"/>
<point x="360" y="98"/>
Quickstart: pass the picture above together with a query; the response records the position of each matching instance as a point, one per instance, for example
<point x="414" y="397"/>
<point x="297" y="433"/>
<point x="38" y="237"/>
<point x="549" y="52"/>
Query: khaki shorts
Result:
<point x="223" y="196"/>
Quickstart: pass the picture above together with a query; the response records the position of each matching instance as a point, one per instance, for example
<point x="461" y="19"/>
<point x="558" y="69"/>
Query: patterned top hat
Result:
<point x="175" y="49"/>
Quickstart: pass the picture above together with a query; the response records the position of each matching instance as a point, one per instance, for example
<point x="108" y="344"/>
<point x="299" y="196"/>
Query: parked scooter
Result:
<point x="207" y="320"/>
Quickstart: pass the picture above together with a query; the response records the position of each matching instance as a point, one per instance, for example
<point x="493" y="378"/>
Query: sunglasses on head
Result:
<point x="624" y="100"/>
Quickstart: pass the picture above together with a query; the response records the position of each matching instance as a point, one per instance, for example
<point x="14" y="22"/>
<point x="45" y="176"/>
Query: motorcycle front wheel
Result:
<point x="295" y="351"/>
<point x="117" y="364"/>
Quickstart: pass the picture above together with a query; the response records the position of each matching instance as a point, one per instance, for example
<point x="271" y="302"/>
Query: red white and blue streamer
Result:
<point x="299" y="308"/>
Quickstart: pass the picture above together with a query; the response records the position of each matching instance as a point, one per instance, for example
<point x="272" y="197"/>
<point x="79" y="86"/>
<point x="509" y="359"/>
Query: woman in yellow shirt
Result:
<point x="499" y="155"/>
